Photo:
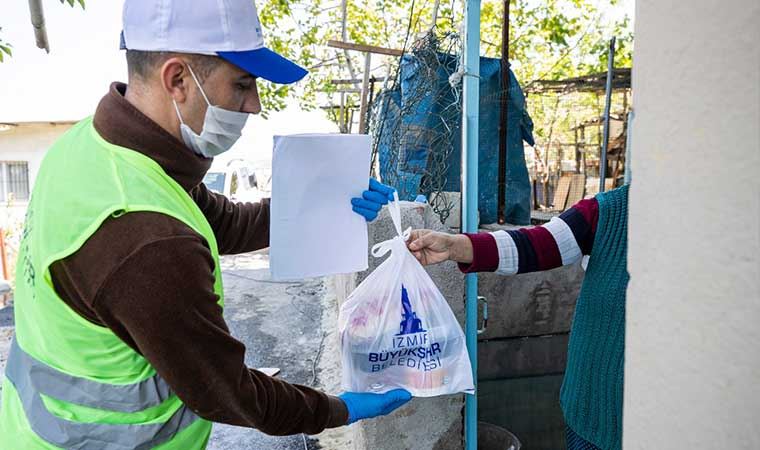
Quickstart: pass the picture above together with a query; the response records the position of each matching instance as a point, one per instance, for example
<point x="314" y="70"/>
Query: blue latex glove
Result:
<point x="366" y="406"/>
<point x="372" y="200"/>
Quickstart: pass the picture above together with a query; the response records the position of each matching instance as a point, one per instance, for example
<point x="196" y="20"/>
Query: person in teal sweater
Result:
<point x="592" y="391"/>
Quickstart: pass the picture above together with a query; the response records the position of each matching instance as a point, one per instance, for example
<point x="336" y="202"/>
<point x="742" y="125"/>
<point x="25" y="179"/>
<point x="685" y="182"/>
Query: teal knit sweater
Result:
<point x="592" y="392"/>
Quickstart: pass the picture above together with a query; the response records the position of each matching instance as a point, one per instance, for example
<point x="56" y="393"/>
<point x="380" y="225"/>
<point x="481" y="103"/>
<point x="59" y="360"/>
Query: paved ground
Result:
<point x="283" y="325"/>
<point x="280" y="323"/>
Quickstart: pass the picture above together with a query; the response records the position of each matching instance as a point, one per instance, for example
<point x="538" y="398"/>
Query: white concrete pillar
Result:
<point x="692" y="376"/>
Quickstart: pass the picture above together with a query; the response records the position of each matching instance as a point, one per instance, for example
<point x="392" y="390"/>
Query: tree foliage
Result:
<point x="5" y="48"/>
<point x="549" y="39"/>
<point x="72" y="3"/>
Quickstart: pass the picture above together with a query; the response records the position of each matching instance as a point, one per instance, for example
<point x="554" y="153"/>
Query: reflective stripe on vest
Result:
<point x="31" y="378"/>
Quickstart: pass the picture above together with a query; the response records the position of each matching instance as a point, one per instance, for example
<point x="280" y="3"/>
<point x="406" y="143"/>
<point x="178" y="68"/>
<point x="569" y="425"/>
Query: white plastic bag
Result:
<point x="397" y="330"/>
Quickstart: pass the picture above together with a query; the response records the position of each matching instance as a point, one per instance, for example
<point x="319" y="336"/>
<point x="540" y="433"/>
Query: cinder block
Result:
<point x="530" y="304"/>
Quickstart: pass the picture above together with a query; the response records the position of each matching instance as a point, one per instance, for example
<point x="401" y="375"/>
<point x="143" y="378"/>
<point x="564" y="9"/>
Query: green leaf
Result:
<point x="5" y="48"/>
<point x="73" y="3"/>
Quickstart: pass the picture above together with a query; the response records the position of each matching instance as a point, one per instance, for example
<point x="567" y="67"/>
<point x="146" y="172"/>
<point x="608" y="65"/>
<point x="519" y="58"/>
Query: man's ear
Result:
<point x="174" y="78"/>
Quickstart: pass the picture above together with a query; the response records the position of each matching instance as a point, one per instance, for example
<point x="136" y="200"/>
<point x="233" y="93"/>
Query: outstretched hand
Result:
<point x="368" y="405"/>
<point x="432" y="247"/>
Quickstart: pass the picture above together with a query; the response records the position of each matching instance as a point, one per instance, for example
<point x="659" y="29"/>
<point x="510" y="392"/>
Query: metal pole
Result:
<point x="365" y="91"/>
<point x="350" y="123"/>
<point x="341" y="121"/>
<point x="583" y="155"/>
<point x="471" y="104"/>
<point x="372" y="82"/>
<point x="503" y="116"/>
<point x="607" y="104"/>
<point x="577" y="153"/>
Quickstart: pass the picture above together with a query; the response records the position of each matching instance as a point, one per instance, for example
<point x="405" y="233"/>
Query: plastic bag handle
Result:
<point x="395" y="209"/>
<point x="381" y="248"/>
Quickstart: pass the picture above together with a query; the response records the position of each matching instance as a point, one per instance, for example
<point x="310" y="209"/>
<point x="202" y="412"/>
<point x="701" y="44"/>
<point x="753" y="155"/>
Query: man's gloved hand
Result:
<point x="366" y="406"/>
<point x="372" y="200"/>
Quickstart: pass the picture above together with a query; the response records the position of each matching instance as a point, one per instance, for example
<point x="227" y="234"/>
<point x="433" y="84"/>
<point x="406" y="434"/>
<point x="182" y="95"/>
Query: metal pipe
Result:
<point x="470" y="119"/>
<point x="365" y="91"/>
<point x="583" y="155"/>
<point x="607" y="105"/>
<point x="577" y="153"/>
<point x="342" y="108"/>
<point x="38" y="22"/>
<point x="503" y="117"/>
<point x="372" y="82"/>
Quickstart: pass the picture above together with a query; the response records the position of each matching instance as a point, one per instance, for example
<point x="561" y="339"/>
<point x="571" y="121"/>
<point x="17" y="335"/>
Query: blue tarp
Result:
<point x="418" y="116"/>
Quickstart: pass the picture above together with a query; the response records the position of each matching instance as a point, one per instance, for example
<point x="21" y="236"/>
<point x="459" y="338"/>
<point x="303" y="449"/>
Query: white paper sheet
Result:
<point x="313" y="231"/>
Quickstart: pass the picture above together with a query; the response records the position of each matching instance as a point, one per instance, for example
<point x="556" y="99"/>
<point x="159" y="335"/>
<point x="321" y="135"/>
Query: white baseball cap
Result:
<point x="229" y="29"/>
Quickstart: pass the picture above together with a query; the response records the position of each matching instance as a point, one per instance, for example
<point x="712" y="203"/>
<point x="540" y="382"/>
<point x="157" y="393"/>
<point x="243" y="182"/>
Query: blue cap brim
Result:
<point x="266" y="64"/>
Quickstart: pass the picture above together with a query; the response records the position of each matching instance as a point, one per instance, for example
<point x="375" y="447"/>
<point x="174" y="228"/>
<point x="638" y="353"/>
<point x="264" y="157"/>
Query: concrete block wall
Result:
<point x="531" y="304"/>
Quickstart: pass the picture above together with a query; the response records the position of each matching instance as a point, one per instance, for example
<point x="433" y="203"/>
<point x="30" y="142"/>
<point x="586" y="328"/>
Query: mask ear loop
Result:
<point x="179" y="114"/>
<point x="197" y="83"/>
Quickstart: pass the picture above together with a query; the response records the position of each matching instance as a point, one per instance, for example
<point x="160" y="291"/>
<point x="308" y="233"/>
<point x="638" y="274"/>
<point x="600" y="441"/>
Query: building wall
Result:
<point x="25" y="142"/>
<point x="692" y="377"/>
<point x="29" y="142"/>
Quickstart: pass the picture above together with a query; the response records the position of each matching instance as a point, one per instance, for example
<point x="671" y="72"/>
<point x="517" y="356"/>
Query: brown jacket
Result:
<point x="150" y="279"/>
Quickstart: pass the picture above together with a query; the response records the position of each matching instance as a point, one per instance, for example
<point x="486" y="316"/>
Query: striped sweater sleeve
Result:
<point x="562" y="241"/>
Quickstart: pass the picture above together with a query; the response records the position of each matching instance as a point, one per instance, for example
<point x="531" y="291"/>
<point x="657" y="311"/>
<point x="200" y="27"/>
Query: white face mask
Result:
<point x="221" y="128"/>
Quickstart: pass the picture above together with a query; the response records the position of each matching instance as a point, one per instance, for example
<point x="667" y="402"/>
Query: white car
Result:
<point x="236" y="181"/>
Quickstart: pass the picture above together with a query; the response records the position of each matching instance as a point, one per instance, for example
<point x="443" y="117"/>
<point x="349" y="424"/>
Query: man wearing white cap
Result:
<point x="120" y="340"/>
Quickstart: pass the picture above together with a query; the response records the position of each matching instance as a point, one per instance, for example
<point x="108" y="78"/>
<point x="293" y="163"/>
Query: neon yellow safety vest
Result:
<point x="70" y="383"/>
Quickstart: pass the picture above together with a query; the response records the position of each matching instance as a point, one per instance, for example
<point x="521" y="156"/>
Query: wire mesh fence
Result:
<point x="420" y="150"/>
<point x="416" y="118"/>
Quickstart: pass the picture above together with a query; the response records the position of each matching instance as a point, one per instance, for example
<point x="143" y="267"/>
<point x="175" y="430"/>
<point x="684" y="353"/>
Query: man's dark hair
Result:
<point x="140" y="63"/>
